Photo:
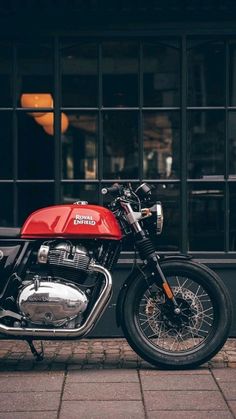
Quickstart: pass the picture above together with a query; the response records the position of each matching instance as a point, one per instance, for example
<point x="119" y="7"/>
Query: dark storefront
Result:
<point x="133" y="91"/>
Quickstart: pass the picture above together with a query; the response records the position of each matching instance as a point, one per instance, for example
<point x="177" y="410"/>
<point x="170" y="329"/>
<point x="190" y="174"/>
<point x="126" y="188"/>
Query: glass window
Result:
<point x="232" y="77"/>
<point x="120" y="74"/>
<point x="73" y="192"/>
<point x="232" y="217"/>
<point x="206" y="217"/>
<point x="161" y="74"/>
<point x="33" y="196"/>
<point x="79" y="146"/>
<point x="6" y="60"/>
<point x="206" y="73"/>
<point x="79" y="65"/>
<point x="161" y="134"/>
<point x="6" y="206"/>
<point x="6" y="150"/>
<point x="35" y="69"/>
<point x="206" y="139"/>
<point x="35" y="148"/>
<point x="232" y="143"/>
<point x="169" y="195"/>
<point x="120" y="131"/>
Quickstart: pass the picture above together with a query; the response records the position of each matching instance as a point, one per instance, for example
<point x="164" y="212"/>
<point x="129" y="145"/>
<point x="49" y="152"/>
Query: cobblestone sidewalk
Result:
<point x="102" y="352"/>
<point x="105" y="379"/>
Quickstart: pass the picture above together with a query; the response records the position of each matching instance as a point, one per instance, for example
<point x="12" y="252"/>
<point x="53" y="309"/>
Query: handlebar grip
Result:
<point x="114" y="189"/>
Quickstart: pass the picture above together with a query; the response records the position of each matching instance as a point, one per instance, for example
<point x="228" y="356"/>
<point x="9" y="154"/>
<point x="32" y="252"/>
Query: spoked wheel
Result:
<point x="182" y="340"/>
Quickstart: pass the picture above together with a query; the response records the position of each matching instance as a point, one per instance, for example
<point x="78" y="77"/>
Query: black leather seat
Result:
<point x="9" y="232"/>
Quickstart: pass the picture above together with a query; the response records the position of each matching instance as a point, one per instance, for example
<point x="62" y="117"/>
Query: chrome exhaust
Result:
<point x="92" y="318"/>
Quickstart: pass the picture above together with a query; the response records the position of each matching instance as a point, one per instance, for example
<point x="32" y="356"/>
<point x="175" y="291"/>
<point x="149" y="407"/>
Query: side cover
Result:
<point x="75" y="221"/>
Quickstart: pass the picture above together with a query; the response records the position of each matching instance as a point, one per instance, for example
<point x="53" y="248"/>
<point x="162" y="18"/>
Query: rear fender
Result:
<point x="144" y="271"/>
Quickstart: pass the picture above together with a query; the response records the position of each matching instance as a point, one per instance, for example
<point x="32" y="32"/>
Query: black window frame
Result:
<point x="183" y="181"/>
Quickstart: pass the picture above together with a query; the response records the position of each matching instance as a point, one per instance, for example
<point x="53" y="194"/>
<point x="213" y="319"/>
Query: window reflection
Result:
<point x="206" y="217"/>
<point x="232" y="217"/>
<point x="6" y="153"/>
<point x="35" y="68"/>
<point x="79" y="63"/>
<point x="232" y="78"/>
<point x="120" y="74"/>
<point x="33" y="196"/>
<point x="232" y="143"/>
<point x="161" y="74"/>
<point x="79" y="146"/>
<point x="35" y="149"/>
<point x="6" y="63"/>
<point x="169" y="195"/>
<point x="161" y="131"/>
<point x="206" y="73"/>
<point x="206" y="139"/>
<point x="6" y="207"/>
<point x="72" y="192"/>
<point x="120" y="130"/>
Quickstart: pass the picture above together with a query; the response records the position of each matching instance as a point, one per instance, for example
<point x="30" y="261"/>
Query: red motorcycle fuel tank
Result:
<point x="75" y="221"/>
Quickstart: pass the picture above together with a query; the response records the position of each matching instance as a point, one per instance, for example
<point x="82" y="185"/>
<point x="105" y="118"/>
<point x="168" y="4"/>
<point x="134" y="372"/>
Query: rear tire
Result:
<point x="170" y="341"/>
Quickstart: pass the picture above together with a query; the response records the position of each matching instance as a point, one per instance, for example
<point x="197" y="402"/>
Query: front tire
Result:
<point x="172" y="341"/>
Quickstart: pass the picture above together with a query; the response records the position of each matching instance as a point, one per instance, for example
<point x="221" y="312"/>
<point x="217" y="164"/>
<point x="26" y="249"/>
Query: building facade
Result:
<point x="126" y="91"/>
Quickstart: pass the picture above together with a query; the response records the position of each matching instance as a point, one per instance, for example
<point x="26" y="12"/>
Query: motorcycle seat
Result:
<point x="9" y="232"/>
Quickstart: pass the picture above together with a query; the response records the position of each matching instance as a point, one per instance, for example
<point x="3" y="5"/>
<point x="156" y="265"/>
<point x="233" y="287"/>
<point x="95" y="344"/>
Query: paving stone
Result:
<point x="29" y="415"/>
<point x="103" y="376"/>
<point x="161" y="373"/>
<point x="189" y="400"/>
<point x="227" y="375"/>
<point x="32" y="401"/>
<point x="190" y="414"/>
<point x="103" y="391"/>
<point x="37" y="382"/>
<point x="228" y="389"/>
<point x="232" y="405"/>
<point x="231" y="364"/>
<point x="178" y="382"/>
<point x="102" y="410"/>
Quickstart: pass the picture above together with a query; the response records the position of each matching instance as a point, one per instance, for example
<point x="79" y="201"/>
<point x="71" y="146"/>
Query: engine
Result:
<point x="65" y="260"/>
<point x="50" y="300"/>
<point x="52" y="303"/>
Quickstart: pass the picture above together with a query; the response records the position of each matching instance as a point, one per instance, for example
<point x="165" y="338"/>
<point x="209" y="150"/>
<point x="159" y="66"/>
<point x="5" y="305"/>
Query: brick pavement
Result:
<point x="104" y="378"/>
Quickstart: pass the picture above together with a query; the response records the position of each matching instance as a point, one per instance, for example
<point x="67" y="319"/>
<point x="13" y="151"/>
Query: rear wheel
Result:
<point x="184" y="340"/>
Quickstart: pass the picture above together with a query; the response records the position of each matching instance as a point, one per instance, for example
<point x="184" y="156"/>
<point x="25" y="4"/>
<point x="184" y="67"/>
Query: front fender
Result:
<point x="145" y="271"/>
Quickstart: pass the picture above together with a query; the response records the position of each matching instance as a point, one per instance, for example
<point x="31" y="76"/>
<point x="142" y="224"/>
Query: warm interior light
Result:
<point x="45" y="119"/>
<point x="36" y="100"/>
<point x="49" y="128"/>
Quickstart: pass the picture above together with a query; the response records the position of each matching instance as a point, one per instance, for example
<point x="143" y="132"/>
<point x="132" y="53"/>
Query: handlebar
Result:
<point x="115" y="189"/>
<point x="142" y="193"/>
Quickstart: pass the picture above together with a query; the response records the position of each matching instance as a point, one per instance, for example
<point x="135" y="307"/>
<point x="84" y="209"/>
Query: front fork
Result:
<point x="147" y="251"/>
<point x="165" y="285"/>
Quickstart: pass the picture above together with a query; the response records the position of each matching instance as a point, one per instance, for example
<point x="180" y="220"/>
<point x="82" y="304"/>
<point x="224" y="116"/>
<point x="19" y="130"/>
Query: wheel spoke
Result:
<point x="171" y="332"/>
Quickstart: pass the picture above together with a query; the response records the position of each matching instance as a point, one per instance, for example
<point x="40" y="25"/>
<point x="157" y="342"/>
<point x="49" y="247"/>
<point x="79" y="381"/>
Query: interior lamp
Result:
<point x="49" y="128"/>
<point x="36" y="100"/>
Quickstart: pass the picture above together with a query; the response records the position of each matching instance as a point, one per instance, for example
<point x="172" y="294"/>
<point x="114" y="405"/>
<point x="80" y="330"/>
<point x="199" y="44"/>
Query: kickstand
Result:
<point x="38" y="355"/>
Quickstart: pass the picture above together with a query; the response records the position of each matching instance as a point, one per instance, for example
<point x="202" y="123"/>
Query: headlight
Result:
<point x="158" y="212"/>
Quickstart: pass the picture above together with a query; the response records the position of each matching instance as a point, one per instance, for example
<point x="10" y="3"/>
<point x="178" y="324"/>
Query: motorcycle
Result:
<point x="55" y="281"/>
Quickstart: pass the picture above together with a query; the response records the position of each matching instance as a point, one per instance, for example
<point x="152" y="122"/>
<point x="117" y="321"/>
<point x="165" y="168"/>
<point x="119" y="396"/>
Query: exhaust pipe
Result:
<point x="92" y="318"/>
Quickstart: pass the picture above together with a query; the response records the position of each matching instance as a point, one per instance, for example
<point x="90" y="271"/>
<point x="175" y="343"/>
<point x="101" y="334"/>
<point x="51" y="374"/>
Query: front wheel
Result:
<point x="177" y="341"/>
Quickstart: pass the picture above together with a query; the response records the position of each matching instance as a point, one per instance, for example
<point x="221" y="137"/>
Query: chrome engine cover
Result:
<point x="51" y="303"/>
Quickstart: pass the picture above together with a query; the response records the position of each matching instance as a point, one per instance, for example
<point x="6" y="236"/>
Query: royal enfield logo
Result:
<point x="84" y="219"/>
<point x="1" y="254"/>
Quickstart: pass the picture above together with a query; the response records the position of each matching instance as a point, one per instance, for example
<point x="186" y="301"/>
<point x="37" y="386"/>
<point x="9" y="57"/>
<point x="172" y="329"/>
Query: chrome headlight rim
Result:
<point x="159" y="217"/>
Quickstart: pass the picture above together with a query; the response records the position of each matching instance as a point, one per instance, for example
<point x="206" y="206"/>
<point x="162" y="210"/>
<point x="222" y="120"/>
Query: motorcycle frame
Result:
<point x="147" y="252"/>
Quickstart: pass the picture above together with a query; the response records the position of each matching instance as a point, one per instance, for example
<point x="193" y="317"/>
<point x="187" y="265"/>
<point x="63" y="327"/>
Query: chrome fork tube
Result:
<point x="92" y="318"/>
